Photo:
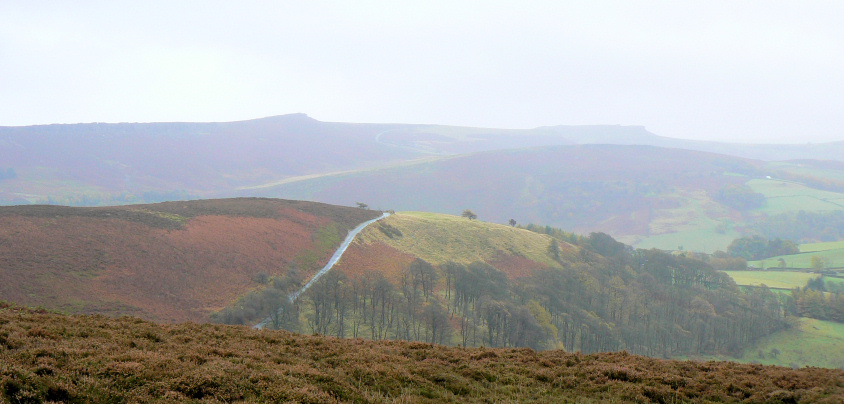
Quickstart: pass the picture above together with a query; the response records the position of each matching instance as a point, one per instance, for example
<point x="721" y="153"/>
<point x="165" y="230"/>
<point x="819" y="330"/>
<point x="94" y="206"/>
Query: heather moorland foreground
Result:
<point x="53" y="357"/>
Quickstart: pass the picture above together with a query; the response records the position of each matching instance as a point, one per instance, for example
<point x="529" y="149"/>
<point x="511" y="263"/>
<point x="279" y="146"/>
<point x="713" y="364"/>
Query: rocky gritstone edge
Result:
<point x="334" y="258"/>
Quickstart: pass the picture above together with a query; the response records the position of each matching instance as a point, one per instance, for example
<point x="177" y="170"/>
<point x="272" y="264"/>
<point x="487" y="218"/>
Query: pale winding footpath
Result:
<point x="334" y="258"/>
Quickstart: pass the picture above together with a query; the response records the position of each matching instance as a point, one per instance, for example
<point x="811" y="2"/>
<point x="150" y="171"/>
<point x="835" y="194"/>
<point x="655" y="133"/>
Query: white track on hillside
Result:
<point x="334" y="258"/>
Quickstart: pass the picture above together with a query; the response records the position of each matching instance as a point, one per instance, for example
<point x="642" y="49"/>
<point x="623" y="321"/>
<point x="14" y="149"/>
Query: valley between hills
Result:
<point x="437" y="279"/>
<point x="589" y="263"/>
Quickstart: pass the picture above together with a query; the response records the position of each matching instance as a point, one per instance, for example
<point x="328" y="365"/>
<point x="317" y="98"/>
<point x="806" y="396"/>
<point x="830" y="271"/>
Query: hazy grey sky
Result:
<point x="761" y="71"/>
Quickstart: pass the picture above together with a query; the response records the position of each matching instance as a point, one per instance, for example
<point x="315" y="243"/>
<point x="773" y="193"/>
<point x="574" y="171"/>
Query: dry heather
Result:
<point x="169" y="262"/>
<point x="52" y="357"/>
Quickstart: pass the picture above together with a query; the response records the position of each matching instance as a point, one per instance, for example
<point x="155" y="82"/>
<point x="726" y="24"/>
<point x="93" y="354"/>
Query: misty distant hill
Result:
<point x="631" y="192"/>
<point x="99" y="163"/>
<point x="542" y="174"/>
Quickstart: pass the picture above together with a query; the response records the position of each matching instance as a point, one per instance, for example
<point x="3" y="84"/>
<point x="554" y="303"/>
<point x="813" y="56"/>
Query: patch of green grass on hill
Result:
<point x="439" y="238"/>
<point x="808" y="170"/>
<point x="786" y="196"/>
<point x="809" y="342"/>
<point x="177" y="220"/>
<point x="832" y="259"/>
<point x="774" y="279"/>
<point x="837" y="281"/>
<point x="815" y="247"/>
<point x="694" y="225"/>
<point x="705" y="239"/>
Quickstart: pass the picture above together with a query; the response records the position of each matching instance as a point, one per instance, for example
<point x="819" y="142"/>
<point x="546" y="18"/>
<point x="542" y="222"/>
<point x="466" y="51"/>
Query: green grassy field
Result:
<point x="832" y="253"/>
<point x="785" y="196"/>
<point x="814" y="247"/>
<point x="705" y="239"/>
<point x="832" y="258"/>
<point x="809" y="342"/>
<point x="434" y="238"/>
<point x="693" y="225"/>
<point x="774" y="279"/>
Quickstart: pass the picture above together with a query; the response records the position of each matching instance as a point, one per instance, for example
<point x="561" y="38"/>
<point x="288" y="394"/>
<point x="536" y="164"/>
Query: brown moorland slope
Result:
<point x="52" y="357"/>
<point x="172" y="261"/>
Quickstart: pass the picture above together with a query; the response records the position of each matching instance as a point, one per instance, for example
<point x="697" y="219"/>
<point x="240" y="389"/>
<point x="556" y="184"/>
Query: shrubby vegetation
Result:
<point x="740" y="197"/>
<point x="812" y="301"/>
<point x="757" y="248"/>
<point x="805" y="227"/>
<point x="389" y="231"/>
<point x="269" y="301"/>
<point x="553" y="232"/>
<point x="46" y="357"/>
<point x="723" y="261"/>
<point x="819" y="182"/>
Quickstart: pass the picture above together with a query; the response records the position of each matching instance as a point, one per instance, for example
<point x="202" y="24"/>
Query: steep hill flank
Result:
<point x="49" y="357"/>
<point x="173" y="261"/>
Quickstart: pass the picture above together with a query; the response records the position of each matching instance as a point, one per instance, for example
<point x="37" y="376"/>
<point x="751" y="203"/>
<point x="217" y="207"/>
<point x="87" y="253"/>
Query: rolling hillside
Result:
<point x="451" y="280"/>
<point x="414" y="276"/>
<point x="102" y="164"/>
<point x="173" y="261"/>
<point x="428" y="277"/>
<point x="581" y="178"/>
<point x="91" y="163"/>
<point x="641" y="195"/>
<point x="644" y="196"/>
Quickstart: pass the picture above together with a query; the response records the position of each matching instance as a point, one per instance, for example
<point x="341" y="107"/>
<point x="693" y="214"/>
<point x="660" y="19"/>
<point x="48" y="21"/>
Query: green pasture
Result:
<point x="808" y="342"/>
<point x="773" y="279"/>
<point x="800" y="169"/>
<point x="839" y="281"/>
<point x="704" y="239"/>
<point x="698" y="224"/>
<point x="814" y="247"/>
<point x="786" y="196"/>
<point x="832" y="259"/>
<point x="439" y="238"/>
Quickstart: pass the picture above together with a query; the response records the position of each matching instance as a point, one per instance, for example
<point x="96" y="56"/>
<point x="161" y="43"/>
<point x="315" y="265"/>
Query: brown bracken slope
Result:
<point x="167" y="262"/>
<point x="57" y="358"/>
